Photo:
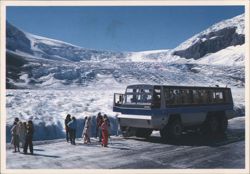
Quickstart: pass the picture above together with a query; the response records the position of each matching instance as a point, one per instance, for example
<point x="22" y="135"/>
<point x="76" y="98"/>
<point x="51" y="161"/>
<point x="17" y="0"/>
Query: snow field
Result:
<point x="48" y="109"/>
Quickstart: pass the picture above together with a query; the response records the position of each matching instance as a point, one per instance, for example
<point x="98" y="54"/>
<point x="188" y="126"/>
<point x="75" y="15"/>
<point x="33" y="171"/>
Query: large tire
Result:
<point x="223" y="123"/>
<point x="143" y="132"/>
<point x="211" y="126"/>
<point x="173" y="130"/>
<point x="164" y="133"/>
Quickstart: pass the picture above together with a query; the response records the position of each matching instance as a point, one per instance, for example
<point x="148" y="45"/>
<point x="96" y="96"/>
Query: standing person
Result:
<point x="83" y="131"/>
<point x="99" y="121"/>
<point x="15" y="138"/>
<point x="16" y="119"/>
<point x="104" y="127"/>
<point x="66" y="121"/>
<point x="22" y="133"/>
<point x="29" y="138"/>
<point x="108" y="123"/>
<point x="87" y="130"/>
<point x="72" y="129"/>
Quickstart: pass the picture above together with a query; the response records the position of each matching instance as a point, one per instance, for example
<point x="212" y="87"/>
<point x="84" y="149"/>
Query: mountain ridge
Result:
<point x="43" y="62"/>
<point x="219" y="36"/>
<point x="211" y="40"/>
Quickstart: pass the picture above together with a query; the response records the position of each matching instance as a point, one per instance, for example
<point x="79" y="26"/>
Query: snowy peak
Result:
<point x="238" y="22"/>
<point x="226" y="33"/>
<point x="41" y="47"/>
<point x="219" y="36"/>
<point x="17" y="40"/>
<point x="35" y="39"/>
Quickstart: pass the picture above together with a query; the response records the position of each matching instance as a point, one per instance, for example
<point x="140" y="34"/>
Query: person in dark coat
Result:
<point x="72" y="129"/>
<point x="99" y="121"/>
<point x="66" y="121"/>
<point x="29" y="138"/>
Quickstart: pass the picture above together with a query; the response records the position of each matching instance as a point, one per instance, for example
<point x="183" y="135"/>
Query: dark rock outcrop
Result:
<point x="213" y="42"/>
<point x="16" y="39"/>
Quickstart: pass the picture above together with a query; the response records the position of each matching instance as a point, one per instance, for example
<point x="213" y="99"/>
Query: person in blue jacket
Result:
<point x="72" y="129"/>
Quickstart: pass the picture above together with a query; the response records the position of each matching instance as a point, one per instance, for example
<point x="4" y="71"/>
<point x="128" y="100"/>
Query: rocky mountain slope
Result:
<point x="217" y="37"/>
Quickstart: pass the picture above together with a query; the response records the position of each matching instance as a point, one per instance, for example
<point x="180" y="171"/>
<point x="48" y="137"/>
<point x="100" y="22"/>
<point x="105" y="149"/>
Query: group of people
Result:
<point x="22" y="134"/>
<point x="102" y="129"/>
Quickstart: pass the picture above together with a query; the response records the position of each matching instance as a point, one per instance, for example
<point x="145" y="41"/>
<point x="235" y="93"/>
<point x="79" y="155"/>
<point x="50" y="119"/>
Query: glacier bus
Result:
<point x="173" y="109"/>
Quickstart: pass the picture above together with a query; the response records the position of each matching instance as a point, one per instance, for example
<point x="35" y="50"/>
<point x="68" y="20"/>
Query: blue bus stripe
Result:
<point x="177" y="110"/>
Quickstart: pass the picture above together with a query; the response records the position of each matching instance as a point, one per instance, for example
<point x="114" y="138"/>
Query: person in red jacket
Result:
<point x="99" y="121"/>
<point x="104" y="127"/>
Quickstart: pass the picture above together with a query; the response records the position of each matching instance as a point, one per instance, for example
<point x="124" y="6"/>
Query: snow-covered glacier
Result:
<point x="47" y="78"/>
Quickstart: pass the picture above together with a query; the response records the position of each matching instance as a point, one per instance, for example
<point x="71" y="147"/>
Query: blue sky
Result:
<point x="135" y="28"/>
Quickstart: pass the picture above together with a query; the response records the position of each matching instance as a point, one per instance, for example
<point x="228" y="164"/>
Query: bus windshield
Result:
<point x="143" y="96"/>
<point x="138" y="96"/>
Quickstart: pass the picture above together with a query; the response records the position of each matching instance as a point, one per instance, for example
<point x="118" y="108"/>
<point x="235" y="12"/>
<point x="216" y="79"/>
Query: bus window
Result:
<point x="167" y="96"/>
<point x="131" y="98"/>
<point x="177" y="97"/>
<point x="183" y="97"/>
<point x="217" y="97"/>
<point x="156" y="99"/>
<point x="130" y="90"/>
<point x="203" y="97"/>
<point x="145" y="96"/>
<point x="171" y="97"/>
<point x="196" y="97"/>
<point x="209" y="96"/>
<point x="138" y="96"/>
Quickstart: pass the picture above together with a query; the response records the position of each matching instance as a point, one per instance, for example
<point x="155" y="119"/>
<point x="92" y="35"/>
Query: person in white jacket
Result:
<point x="87" y="130"/>
<point x="15" y="137"/>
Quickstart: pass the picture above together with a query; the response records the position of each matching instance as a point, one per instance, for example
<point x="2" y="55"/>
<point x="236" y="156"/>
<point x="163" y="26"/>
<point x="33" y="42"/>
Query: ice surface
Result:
<point x="194" y="152"/>
<point x="230" y="56"/>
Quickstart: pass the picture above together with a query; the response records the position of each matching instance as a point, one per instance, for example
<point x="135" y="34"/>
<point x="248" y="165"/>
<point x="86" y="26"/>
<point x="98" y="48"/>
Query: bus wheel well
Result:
<point x="216" y="113"/>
